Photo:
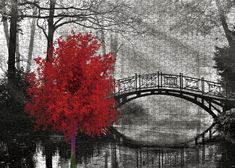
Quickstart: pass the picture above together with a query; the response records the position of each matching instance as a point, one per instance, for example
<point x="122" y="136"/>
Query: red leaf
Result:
<point x="71" y="90"/>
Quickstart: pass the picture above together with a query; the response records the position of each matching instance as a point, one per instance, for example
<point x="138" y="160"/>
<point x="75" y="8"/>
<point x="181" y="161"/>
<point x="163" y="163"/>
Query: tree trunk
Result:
<point x="6" y="32"/>
<point x="12" y="40"/>
<point x="5" y="24"/>
<point x="114" y="44"/>
<point x="114" y="48"/>
<point x="48" y="157"/>
<point x="114" y="163"/>
<point x="230" y="35"/>
<point x="106" y="160"/>
<point x="73" y="150"/>
<point x="17" y="51"/>
<point x="51" y="29"/>
<point x="31" y="43"/>
<point x="48" y="148"/>
<point x="103" y="41"/>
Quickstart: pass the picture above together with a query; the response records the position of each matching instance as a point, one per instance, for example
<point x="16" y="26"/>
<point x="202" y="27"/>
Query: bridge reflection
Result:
<point x="30" y="151"/>
<point x="147" y="157"/>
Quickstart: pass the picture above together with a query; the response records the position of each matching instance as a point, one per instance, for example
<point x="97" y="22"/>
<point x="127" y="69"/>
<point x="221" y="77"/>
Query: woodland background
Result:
<point x="193" y="37"/>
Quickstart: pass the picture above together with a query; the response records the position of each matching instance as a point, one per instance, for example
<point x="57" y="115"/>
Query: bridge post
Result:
<point x="202" y="85"/>
<point x="181" y="81"/>
<point x="136" y="79"/>
<point x="161" y="79"/>
<point x="158" y="78"/>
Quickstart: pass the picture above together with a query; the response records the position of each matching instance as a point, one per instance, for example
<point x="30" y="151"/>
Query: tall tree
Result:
<point x="96" y="15"/>
<point x="31" y="42"/>
<point x="71" y="90"/>
<point x="201" y="17"/>
<point x="17" y="51"/>
<point x="51" y="27"/>
<point x="230" y="34"/>
<point x="225" y="56"/>
<point x="5" y="21"/>
<point x="12" y="40"/>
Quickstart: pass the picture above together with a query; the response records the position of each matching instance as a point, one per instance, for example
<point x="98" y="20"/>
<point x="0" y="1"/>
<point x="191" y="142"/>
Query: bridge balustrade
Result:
<point x="169" y="81"/>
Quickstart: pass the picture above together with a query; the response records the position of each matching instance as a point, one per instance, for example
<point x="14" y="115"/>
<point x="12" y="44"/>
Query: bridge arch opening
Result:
<point x="162" y="119"/>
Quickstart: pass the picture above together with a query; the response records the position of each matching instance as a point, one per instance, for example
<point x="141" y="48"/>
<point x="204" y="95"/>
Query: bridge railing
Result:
<point x="203" y="86"/>
<point x="169" y="81"/>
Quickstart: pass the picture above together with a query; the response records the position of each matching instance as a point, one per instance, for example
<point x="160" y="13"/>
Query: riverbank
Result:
<point x="226" y="125"/>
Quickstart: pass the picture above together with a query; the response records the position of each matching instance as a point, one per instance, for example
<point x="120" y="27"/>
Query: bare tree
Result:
<point x="95" y="14"/>
<point x="200" y="16"/>
<point x="12" y="40"/>
<point x="31" y="42"/>
<point x="17" y="54"/>
<point x="51" y="27"/>
<point x="114" y="44"/>
<point x="5" y="22"/>
<point x="99" y="15"/>
<point x="230" y="34"/>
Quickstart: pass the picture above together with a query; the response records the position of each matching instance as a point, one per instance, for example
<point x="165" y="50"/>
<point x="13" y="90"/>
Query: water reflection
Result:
<point x="17" y="152"/>
<point x="33" y="151"/>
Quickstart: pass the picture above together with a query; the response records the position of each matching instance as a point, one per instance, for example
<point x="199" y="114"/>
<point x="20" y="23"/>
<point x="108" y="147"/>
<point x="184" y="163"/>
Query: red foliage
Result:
<point x="70" y="91"/>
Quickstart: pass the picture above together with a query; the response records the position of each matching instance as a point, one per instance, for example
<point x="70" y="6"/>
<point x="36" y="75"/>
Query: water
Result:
<point x="40" y="151"/>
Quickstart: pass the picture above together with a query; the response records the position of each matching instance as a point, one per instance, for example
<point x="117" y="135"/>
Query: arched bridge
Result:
<point x="210" y="96"/>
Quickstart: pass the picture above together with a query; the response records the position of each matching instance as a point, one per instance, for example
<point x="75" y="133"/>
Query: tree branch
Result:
<point x="65" y="22"/>
<point x="43" y="30"/>
<point x="227" y="32"/>
<point x="36" y="4"/>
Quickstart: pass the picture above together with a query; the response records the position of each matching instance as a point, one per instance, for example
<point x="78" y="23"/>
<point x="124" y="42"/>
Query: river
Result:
<point x="41" y="151"/>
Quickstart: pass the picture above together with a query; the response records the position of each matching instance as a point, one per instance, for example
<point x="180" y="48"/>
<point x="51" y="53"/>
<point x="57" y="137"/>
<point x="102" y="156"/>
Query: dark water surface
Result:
<point x="34" y="151"/>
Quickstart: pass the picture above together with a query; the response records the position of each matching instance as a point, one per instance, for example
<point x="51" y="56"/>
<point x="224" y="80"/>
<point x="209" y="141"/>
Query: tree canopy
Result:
<point x="71" y="91"/>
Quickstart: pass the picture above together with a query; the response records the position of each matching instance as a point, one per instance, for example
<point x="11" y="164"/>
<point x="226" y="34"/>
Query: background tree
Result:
<point x="12" y="40"/>
<point x="5" y="20"/>
<point x="202" y="17"/>
<point x="31" y="42"/>
<point x="70" y="91"/>
<point x="225" y="56"/>
<point x="99" y="16"/>
<point x="12" y="35"/>
<point x="94" y="15"/>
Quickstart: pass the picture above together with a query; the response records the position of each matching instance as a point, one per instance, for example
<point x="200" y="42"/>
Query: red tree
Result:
<point x="71" y="91"/>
